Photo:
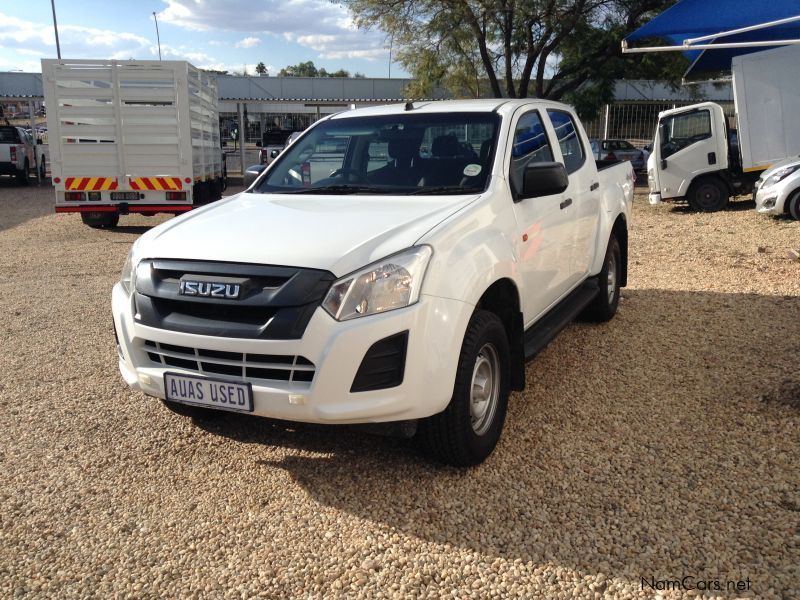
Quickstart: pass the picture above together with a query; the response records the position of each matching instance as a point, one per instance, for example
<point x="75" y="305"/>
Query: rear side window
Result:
<point x="8" y="135"/>
<point x="530" y="145"/>
<point x="568" y="139"/>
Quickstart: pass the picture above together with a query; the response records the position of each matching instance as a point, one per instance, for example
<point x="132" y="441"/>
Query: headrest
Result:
<point x="446" y="145"/>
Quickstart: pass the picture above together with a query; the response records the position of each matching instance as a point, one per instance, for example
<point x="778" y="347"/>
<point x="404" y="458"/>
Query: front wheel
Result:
<point x="708" y="195"/>
<point x="42" y="170"/>
<point x="793" y="207"/>
<point x="469" y="428"/>
<point x="604" y="306"/>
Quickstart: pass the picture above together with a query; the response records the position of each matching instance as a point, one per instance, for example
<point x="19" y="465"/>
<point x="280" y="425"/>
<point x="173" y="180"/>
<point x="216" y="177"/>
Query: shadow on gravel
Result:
<point x="662" y="444"/>
<point x="20" y="203"/>
<point x="734" y="206"/>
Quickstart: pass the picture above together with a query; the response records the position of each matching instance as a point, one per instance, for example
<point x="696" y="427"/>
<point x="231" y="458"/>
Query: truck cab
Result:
<point x="694" y="159"/>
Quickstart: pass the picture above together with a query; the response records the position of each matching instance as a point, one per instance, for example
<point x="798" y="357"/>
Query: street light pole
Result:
<point x="158" y="37"/>
<point x="55" y="27"/>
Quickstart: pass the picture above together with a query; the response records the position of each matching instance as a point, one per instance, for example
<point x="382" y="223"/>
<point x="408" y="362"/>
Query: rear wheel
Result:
<point x="42" y="170"/>
<point x="100" y="220"/>
<point x="23" y="176"/>
<point x="604" y="306"/>
<point x="708" y="195"/>
<point x="469" y="428"/>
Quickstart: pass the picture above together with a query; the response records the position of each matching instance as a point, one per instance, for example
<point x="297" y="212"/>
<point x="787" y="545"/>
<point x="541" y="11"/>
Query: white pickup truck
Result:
<point x="407" y="281"/>
<point x="20" y="154"/>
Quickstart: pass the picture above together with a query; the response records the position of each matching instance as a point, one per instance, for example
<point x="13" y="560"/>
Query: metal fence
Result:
<point x="636" y="121"/>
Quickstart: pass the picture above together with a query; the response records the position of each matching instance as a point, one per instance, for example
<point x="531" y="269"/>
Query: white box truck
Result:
<point x="698" y="158"/>
<point x="131" y="136"/>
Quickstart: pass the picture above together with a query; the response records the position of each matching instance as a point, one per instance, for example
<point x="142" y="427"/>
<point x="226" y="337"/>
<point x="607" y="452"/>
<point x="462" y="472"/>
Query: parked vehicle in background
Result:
<point x="614" y="150"/>
<point x="270" y="151"/>
<point x="777" y="191"/>
<point x="19" y="154"/>
<point x="132" y="136"/>
<point x="698" y="158"/>
<point x="359" y="281"/>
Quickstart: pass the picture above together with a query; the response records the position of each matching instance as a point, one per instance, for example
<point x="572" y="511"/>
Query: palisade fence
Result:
<point x="637" y="121"/>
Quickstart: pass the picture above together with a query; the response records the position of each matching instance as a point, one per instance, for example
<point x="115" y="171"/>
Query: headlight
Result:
<point x="780" y="174"/>
<point x="128" y="277"/>
<point x="391" y="283"/>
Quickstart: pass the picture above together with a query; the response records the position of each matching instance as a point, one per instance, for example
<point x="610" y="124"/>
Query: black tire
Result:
<point x="42" y="170"/>
<point x="24" y="176"/>
<point x="195" y="412"/>
<point x="462" y="436"/>
<point x="793" y="206"/>
<point x="708" y="194"/>
<point x="100" y="220"/>
<point x="604" y="306"/>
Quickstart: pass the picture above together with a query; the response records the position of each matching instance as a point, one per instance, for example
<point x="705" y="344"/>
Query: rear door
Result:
<point x="544" y="240"/>
<point x="582" y="196"/>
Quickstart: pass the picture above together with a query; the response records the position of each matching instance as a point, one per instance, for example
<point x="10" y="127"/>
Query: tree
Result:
<point x="261" y="68"/>
<point x="513" y="48"/>
<point x="308" y="69"/>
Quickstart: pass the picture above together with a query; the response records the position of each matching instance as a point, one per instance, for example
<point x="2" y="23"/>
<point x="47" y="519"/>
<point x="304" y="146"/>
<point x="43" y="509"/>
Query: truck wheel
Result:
<point x="793" y="206"/>
<point x="195" y="412"/>
<point x="100" y="220"/>
<point x="708" y="195"/>
<point x="23" y="176"/>
<point x="604" y="306"/>
<point x="468" y="429"/>
<point x="42" y="170"/>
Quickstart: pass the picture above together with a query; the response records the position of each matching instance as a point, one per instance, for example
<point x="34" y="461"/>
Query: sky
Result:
<point x="228" y="35"/>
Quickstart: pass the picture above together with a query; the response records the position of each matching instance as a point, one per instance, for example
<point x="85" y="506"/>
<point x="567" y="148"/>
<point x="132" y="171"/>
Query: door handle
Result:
<point x="594" y="186"/>
<point x="565" y="203"/>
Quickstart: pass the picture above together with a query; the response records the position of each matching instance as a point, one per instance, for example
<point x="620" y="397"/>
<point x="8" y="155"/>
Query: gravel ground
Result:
<point x="661" y="445"/>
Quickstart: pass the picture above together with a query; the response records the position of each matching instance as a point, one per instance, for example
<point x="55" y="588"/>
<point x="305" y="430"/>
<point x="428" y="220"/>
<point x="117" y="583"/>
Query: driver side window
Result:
<point x="683" y="130"/>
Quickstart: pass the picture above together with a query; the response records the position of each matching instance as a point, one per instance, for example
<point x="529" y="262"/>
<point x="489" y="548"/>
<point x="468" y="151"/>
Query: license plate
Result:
<point x="124" y="195"/>
<point x="213" y="393"/>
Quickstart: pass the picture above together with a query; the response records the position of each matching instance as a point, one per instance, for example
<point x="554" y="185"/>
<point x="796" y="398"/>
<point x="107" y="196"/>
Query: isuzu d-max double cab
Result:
<point x="395" y="263"/>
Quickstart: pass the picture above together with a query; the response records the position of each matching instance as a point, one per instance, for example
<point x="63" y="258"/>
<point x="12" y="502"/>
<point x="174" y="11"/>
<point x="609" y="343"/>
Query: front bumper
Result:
<point x="769" y="201"/>
<point x="436" y="329"/>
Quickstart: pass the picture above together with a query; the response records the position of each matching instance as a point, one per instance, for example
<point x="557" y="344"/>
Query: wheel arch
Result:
<point x="620" y="231"/>
<point x="502" y="298"/>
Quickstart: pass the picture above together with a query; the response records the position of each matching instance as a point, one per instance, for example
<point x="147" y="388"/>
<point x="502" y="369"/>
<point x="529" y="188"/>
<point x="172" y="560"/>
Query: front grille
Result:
<point x="274" y="303"/>
<point x="268" y="367"/>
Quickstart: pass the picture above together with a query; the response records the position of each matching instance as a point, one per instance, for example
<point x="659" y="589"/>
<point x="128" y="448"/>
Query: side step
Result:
<point x="538" y="335"/>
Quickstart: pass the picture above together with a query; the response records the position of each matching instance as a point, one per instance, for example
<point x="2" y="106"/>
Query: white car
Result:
<point x="777" y="191"/>
<point x="360" y="281"/>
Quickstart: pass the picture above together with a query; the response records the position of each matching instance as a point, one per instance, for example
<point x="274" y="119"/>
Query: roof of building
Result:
<point x="17" y="86"/>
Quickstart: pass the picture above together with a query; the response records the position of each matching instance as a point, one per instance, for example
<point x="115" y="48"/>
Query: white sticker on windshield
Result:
<point x="472" y="170"/>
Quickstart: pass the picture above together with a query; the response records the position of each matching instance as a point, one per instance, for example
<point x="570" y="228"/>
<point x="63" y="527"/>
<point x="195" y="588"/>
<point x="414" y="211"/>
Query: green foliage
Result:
<point x="309" y="69"/>
<point x="261" y="68"/>
<point x="557" y="49"/>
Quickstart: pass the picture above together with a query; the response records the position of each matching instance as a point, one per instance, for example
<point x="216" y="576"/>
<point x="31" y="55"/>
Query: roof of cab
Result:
<point x="439" y="106"/>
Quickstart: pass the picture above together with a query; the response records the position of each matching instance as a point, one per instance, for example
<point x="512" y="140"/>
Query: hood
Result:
<point x="336" y="233"/>
<point x="793" y="160"/>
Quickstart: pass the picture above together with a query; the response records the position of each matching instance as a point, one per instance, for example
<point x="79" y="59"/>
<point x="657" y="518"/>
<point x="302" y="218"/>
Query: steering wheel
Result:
<point x="357" y="176"/>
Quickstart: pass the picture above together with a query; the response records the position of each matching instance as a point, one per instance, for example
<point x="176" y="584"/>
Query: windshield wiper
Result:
<point x="445" y="189"/>
<point x="337" y="189"/>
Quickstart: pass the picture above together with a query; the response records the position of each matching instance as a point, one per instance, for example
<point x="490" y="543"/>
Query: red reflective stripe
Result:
<point x="99" y="184"/>
<point x="134" y="184"/>
<point x="148" y="183"/>
<point x="113" y="185"/>
<point x="74" y="209"/>
<point x="68" y="182"/>
<point x="177" y="181"/>
<point x="163" y="183"/>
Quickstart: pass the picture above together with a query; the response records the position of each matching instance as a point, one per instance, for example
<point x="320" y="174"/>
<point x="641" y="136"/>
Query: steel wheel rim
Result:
<point x="709" y="196"/>
<point x="484" y="389"/>
<point x="611" y="280"/>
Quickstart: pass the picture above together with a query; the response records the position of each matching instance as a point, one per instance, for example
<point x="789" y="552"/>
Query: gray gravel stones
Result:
<point x="662" y="444"/>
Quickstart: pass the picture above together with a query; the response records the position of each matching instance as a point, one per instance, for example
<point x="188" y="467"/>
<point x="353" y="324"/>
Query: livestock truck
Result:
<point x="699" y="158"/>
<point x="132" y="137"/>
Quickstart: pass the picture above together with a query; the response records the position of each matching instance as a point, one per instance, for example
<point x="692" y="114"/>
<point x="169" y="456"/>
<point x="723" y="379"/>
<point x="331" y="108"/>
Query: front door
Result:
<point x="686" y="148"/>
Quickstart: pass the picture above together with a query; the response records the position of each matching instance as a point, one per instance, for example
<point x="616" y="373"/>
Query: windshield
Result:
<point x="438" y="153"/>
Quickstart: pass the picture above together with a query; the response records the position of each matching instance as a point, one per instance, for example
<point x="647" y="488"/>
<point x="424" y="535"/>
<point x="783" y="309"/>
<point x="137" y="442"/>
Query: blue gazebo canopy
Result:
<point x="697" y="18"/>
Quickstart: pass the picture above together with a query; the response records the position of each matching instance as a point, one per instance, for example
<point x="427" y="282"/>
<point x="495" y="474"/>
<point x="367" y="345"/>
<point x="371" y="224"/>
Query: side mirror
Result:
<point x="543" y="179"/>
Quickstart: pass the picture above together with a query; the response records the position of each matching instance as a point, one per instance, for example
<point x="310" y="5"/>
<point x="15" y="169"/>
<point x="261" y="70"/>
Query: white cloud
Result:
<point x="248" y="42"/>
<point x="325" y="27"/>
